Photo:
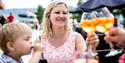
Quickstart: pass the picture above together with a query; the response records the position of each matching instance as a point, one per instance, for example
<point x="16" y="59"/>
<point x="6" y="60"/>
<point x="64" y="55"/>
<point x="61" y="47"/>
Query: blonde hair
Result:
<point x="10" y="32"/>
<point x="46" y="24"/>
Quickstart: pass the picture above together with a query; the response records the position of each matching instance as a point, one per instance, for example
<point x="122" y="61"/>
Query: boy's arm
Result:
<point x="37" y="53"/>
<point x="35" y="57"/>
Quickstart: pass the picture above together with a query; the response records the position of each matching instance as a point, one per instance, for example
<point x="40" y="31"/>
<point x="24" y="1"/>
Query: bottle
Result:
<point x="43" y="60"/>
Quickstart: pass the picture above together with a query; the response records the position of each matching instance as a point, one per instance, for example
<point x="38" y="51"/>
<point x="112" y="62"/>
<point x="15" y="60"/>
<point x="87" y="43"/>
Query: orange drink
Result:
<point x="87" y="25"/>
<point x="104" y="24"/>
<point x="101" y="24"/>
<point x="110" y="23"/>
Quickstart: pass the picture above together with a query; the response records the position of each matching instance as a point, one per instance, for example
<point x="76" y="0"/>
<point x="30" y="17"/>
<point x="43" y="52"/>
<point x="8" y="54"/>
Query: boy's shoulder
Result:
<point x="2" y="58"/>
<point x="6" y="59"/>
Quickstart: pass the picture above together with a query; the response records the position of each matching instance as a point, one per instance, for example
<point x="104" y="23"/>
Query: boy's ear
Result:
<point x="10" y="46"/>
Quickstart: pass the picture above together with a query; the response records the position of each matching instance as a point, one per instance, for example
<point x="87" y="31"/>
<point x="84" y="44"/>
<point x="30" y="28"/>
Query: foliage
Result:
<point x="76" y="16"/>
<point x="39" y="13"/>
<point x="118" y="12"/>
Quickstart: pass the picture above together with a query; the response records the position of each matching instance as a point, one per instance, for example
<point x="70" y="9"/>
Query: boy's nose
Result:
<point x="31" y="42"/>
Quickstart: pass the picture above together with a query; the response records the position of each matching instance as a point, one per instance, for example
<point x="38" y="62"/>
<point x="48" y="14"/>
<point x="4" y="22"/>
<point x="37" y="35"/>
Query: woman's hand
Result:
<point x="92" y="41"/>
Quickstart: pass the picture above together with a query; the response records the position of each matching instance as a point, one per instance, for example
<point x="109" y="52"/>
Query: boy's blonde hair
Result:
<point x="46" y="24"/>
<point x="10" y="32"/>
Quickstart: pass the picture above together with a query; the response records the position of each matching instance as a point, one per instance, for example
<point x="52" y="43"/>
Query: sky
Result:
<point x="10" y="4"/>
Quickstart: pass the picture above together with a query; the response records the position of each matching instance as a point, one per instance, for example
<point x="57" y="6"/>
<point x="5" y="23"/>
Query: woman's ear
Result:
<point x="10" y="46"/>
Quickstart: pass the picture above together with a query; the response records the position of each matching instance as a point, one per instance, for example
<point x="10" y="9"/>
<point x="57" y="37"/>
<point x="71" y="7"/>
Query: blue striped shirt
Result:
<point x="7" y="59"/>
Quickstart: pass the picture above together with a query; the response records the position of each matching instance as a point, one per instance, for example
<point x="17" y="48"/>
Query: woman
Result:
<point x="60" y="42"/>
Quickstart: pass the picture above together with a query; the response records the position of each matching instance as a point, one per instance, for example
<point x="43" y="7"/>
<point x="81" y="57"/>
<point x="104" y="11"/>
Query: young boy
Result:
<point x="15" y="41"/>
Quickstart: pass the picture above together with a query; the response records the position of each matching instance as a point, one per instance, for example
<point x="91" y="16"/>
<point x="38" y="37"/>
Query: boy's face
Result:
<point x="22" y="45"/>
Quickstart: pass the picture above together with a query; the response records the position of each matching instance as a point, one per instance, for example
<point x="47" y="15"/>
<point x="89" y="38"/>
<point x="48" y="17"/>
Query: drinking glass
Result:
<point x="105" y="21"/>
<point x="87" y="25"/>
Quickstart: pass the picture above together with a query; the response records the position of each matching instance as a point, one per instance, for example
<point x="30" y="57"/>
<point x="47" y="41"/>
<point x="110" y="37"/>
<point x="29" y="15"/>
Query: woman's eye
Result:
<point x="57" y="12"/>
<point x="61" y="12"/>
<point x="64" y="12"/>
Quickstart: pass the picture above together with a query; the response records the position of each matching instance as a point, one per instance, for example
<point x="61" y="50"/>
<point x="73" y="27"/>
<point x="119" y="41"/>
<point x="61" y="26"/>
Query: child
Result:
<point x="15" y="41"/>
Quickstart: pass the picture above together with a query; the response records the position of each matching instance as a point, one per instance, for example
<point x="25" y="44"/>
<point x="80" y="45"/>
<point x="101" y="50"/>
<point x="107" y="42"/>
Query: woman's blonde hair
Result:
<point x="46" y="24"/>
<point x="10" y="32"/>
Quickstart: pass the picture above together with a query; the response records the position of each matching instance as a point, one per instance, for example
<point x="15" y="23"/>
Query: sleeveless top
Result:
<point x="62" y="54"/>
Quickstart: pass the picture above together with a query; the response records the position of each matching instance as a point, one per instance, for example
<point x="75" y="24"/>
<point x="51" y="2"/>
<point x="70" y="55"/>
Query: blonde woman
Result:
<point x="60" y="42"/>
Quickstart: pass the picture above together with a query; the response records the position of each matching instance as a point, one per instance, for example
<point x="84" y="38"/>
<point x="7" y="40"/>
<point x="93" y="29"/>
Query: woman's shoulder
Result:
<point x="77" y="34"/>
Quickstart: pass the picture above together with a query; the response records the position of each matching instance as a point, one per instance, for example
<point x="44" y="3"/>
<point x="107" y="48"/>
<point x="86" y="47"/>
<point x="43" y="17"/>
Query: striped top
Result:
<point x="7" y="59"/>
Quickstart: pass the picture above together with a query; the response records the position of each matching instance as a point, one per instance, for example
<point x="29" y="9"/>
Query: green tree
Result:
<point x="80" y="2"/>
<point x="39" y="13"/>
<point x="119" y="12"/>
<point x="77" y="16"/>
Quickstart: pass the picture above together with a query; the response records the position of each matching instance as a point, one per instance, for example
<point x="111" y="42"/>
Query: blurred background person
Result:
<point x="11" y="17"/>
<point x="3" y="19"/>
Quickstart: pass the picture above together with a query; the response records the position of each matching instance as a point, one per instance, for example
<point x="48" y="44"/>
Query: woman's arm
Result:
<point x="80" y="43"/>
<point x="92" y="41"/>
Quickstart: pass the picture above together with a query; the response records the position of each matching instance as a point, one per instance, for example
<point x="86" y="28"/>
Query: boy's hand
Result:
<point x="38" y="47"/>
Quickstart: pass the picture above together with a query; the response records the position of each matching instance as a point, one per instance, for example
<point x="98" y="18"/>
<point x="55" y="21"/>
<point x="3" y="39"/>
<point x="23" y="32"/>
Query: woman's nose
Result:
<point x="61" y="15"/>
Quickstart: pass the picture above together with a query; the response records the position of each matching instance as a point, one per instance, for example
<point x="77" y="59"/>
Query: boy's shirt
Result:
<point x="6" y="59"/>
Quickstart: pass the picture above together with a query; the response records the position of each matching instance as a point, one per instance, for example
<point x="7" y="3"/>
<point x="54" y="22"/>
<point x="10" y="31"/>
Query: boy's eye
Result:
<point x="27" y="38"/>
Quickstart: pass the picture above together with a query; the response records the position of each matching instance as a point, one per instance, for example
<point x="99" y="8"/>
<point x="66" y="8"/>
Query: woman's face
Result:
<point x="22" y="44"/>
<point x="59" y="15"/>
